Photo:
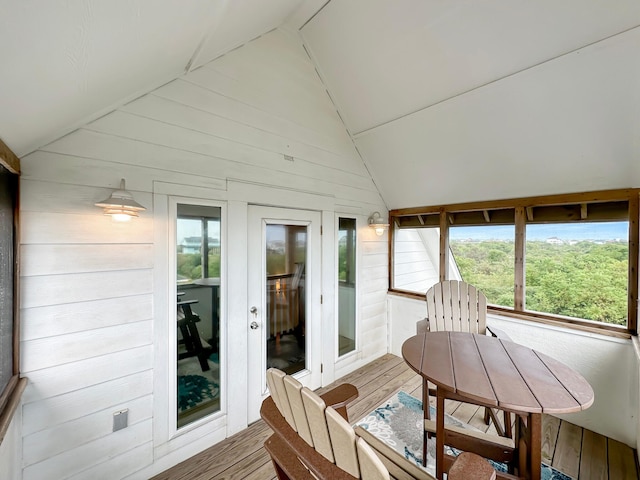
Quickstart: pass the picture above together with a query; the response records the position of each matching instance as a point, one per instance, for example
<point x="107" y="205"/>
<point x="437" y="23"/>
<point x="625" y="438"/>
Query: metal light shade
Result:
<point x="121" y="205"/>
<point x="376" y="222"/>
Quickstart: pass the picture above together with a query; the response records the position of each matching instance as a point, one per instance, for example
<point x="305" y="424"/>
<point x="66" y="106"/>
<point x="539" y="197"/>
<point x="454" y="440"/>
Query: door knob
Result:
<point x="254" y="325"/>
<point x="253" y="311"/>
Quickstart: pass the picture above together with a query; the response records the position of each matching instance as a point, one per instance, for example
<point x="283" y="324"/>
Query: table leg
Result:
<point x="427" y="416"/>
<point x="439" y="434"/>
<point x="534" y="436"/>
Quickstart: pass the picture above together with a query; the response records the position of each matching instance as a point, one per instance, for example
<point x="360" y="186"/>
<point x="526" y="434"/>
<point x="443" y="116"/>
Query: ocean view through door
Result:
<point x="284" y="297"/>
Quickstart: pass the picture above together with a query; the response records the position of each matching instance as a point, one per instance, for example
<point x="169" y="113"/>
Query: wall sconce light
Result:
<point x="376" y="222"/>
<point x="121" y="205"/>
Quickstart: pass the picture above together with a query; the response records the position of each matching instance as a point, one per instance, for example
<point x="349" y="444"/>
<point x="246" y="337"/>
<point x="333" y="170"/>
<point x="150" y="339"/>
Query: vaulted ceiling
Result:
<point x="445" y="100"/>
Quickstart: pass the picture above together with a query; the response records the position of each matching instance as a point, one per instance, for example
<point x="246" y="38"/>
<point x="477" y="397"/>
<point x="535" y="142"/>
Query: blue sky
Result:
<point x="572" y="231"/>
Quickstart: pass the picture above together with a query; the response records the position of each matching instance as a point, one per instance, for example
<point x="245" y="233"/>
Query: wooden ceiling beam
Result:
<point x="9" y="159"/>
<point x="548" y="200"/>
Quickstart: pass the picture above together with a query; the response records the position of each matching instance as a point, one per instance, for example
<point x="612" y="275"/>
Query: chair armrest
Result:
<point x="501" y="334"/>
<point x="339" y="397"/>
<point x="283" y="458"/>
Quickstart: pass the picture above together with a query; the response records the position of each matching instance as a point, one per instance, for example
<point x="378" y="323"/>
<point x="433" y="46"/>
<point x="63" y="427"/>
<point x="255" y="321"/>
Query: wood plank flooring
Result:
<point x="583" y="454"/>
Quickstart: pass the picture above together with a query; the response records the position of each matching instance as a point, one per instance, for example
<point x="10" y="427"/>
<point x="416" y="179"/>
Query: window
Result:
<point x="346" y="285"/>
<point x="561" y="258"/>
<point x="198" y="311"/>
<point x="10" y="384"/>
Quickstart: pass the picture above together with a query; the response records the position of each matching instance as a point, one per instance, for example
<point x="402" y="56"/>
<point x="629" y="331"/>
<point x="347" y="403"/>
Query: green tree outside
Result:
<point x="584" y="280"/>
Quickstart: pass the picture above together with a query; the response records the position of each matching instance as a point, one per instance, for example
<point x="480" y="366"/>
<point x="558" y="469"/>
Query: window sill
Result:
<point x="9" y="402"/>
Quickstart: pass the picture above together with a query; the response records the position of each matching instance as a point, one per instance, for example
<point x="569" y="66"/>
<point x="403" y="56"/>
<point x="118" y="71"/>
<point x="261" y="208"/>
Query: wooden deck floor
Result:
<point x="583" y="454"/>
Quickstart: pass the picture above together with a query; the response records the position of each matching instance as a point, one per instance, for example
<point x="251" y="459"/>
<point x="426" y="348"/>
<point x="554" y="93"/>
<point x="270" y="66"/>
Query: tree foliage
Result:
<point x="582" y="280"/>
<point x="189" y="265"/>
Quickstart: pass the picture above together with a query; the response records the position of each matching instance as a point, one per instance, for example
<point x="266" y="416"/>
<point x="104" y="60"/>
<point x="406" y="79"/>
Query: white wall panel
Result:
<point x="59" y="259"/>
<point x="80" y="287"/>
<point x="51" y="320"/>
<point x="76" y="460"/>
<point x="77" y="432"/>
<point x="38" y="227"/>
<point x="70" y="377"/>
<point x="79" y="346"/>
<point x="11" y="449"/>
<point x="48" y="413"/>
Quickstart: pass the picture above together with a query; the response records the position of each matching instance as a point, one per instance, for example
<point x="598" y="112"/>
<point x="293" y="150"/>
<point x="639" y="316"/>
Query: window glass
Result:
<point x="346" y="285"/>
<point x="484" y="256"/>
<point x="578" y="270"/>
<point x="286" y="262"/>
<point x="198" y="311"/>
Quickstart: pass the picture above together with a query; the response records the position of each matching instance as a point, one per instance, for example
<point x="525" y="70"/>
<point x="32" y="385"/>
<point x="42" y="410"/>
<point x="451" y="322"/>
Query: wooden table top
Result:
<point x="497" y="373"/>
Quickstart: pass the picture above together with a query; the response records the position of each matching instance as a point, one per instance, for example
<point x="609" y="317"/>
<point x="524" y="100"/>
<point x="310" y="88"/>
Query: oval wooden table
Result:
<point x="501" y="374"/>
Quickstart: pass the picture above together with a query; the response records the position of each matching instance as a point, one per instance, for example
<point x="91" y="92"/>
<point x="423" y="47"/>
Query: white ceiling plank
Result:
<point x="243" y="21"/>
<point x="382" y="60"/>
<point x="568" y="125"/>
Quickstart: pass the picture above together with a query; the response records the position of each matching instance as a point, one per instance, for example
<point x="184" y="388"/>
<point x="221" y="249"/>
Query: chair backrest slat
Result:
<point x="371" y="467"/>
<point x="275" y="381"/>
<point x="314" y="407"/>
<point x="294" y="388"/>
<point x="343" y="441"/>
<point x="465" y="307"/>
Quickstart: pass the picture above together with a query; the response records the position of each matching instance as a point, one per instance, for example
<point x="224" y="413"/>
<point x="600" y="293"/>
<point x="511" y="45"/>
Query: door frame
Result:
<point x="259" y="217"/>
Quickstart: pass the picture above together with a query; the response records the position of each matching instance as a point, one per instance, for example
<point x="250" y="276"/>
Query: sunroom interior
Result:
<point x="260" y="140"/>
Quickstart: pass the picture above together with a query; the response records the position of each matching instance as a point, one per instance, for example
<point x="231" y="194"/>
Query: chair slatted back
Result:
<point x="456" y="306"/>
<point x="275" y="381"/>
<point x="323" y="428"/>
<point x="294" y="388"/>
<point x="371" y="467"/>
<point x="314" y="407"/>
<point x="343" y="442"/>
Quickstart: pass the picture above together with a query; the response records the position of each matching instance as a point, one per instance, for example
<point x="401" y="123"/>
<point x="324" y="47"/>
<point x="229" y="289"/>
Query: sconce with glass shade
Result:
<point x="120" y="205"/>
<point x="376" y="222"/>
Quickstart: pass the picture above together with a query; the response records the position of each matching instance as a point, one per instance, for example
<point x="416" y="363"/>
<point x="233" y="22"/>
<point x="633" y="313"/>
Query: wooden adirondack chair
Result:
<point x="459" y="307"/>
<point x="313" y="440"/>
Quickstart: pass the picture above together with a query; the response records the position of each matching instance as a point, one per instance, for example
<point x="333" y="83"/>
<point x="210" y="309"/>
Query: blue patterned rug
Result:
<point x="195" y="387"/>
<point x="398" y="423"/>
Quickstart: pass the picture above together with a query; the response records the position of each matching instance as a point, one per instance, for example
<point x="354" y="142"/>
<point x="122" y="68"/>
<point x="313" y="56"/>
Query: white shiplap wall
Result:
<point x="89" y="286"/>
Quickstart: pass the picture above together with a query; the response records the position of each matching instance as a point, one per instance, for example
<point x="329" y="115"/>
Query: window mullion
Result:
<point x="444" y="246"/>
<point x="634" y="234"/>
<point x="520" y="268"/>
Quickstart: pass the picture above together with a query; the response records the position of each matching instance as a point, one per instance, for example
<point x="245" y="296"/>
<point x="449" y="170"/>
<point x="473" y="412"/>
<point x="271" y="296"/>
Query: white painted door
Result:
<point x="284" y="317"/>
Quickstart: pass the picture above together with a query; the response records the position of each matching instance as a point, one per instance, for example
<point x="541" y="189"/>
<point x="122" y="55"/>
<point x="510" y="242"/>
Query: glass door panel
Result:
<point x="285" y="254"/>
<point x="284" y="317"/>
